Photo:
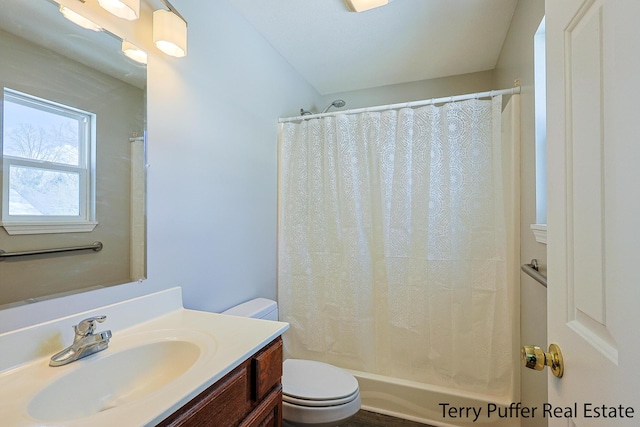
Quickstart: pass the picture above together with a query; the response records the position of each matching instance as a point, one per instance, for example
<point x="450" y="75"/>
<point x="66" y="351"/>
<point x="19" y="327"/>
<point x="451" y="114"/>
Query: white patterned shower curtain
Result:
<point x="392" y="244"/>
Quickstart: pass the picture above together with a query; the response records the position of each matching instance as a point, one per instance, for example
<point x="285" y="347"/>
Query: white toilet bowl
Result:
<point x="314" y="394"/>
<point x="317" y="394"/>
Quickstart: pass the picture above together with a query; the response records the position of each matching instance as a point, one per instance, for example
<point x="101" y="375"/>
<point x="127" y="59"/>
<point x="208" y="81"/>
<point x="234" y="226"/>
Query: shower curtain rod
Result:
<point x="432" y="101"/>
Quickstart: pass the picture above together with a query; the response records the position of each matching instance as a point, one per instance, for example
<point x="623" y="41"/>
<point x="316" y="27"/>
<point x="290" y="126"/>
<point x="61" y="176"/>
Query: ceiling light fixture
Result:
<point x="133" y="52"/>
<point x="126" y="9"/>
<point x="170" y="31"/>
<point x="78" y="19"/>
<point x="362" y="5"/>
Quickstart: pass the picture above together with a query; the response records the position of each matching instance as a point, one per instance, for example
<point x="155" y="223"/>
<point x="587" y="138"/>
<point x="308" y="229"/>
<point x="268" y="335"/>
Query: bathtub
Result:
<point x="422" y="403"/>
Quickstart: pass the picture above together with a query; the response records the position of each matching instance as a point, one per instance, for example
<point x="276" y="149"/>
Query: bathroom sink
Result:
<point x="160" y="357"/>
<point x="113" y="379"/>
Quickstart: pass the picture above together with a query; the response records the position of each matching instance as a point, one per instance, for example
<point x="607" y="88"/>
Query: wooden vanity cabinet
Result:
<point x="248" y="396"/>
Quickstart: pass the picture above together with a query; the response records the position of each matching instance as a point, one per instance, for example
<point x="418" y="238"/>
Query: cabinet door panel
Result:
<point x="267" y="368"/>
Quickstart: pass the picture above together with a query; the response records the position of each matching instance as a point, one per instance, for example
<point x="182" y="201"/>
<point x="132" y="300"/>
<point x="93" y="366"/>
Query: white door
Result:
<point x="593" y="107"/>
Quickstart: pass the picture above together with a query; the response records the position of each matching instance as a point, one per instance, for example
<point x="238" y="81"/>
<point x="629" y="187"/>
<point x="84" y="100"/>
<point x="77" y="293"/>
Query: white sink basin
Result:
<point x="113" y="380"/>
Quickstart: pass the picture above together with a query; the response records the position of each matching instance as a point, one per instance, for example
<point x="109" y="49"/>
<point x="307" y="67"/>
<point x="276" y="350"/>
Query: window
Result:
<point x="48" y="153"/>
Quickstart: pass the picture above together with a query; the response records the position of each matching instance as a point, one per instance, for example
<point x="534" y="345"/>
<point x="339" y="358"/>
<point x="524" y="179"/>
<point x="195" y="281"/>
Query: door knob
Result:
<point x="533" y="357"/>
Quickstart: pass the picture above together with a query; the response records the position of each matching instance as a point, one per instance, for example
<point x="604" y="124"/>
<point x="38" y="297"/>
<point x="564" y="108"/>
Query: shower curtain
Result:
<point x="392" y="244"/>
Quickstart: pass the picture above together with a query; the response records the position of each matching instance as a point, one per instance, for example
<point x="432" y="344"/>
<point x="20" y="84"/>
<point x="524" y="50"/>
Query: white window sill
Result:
<point x="540" y="232"/>
<point x="32" y="227"/>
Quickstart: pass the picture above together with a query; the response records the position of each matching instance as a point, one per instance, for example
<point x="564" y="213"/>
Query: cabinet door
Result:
<point x="223" y="404"/>
<point x="267" y="369"/>
<point x="268" y="413"/>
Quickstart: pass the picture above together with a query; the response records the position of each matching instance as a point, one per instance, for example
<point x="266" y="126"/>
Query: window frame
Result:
<point x="85" y="221"/>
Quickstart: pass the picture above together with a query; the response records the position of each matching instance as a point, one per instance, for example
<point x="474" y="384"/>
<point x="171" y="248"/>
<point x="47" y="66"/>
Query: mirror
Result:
<point x="44" y="55"/>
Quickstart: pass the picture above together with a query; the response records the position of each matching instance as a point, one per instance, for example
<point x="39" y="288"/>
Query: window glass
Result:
<point x="39" y="133"/>
<point x="37" y="191"/>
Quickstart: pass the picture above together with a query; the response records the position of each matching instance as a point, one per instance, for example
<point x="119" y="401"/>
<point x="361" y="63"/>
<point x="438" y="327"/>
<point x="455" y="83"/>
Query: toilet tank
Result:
<point x="259" y="308"/>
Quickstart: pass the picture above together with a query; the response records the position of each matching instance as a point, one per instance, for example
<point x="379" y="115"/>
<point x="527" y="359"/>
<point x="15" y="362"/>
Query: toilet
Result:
<point x="314" y="394"/>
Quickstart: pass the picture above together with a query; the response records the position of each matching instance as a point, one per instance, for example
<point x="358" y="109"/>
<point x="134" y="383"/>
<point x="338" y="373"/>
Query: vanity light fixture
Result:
<point x="170" y="31"/>
<point x="132" y="51"/>
<point x="362" y="5"/>
<point x="78" y="19"/>
<point x="126" y="9"/>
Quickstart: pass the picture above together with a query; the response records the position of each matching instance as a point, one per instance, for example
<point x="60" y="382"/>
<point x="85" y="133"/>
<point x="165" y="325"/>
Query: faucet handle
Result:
<point x="88" y="326"/>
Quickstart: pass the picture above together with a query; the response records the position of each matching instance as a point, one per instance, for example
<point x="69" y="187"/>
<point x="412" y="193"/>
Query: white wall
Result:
<point x="516" y="62"/>
<point x="412" y="91"/>
<point x="212" y="189"/>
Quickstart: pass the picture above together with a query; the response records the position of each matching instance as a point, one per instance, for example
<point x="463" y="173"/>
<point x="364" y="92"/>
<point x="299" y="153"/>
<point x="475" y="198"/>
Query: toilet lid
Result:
<point x="309" y="380"/>
<point x="319" y="403"/>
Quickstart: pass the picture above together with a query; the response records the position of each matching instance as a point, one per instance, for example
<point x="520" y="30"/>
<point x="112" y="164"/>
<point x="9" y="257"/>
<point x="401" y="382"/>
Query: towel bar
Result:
<point x="533" y="271"/>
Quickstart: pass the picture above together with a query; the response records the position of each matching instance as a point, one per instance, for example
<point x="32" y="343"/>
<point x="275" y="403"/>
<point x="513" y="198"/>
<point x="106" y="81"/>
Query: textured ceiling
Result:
<point x="405" y="41"/>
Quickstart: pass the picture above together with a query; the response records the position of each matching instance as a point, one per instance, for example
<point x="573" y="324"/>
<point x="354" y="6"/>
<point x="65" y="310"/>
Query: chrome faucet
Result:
<point x="85" y="342"/>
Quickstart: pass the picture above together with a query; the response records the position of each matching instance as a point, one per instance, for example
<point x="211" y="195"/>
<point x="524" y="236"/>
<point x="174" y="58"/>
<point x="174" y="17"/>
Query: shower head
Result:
<point x="338" y="103"/>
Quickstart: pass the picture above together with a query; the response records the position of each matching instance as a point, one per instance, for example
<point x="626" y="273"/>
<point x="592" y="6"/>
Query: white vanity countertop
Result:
<point x="224" y="343"/>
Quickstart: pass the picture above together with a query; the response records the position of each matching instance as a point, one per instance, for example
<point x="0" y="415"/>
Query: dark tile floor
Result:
<point x="372" y="419"/>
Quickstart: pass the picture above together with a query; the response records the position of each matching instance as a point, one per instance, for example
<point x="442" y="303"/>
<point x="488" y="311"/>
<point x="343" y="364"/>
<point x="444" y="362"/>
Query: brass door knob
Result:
<point x="533" y="357"/>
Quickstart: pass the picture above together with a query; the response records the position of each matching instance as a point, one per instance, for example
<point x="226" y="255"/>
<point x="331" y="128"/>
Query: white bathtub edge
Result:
<point x="419" y="402"/>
